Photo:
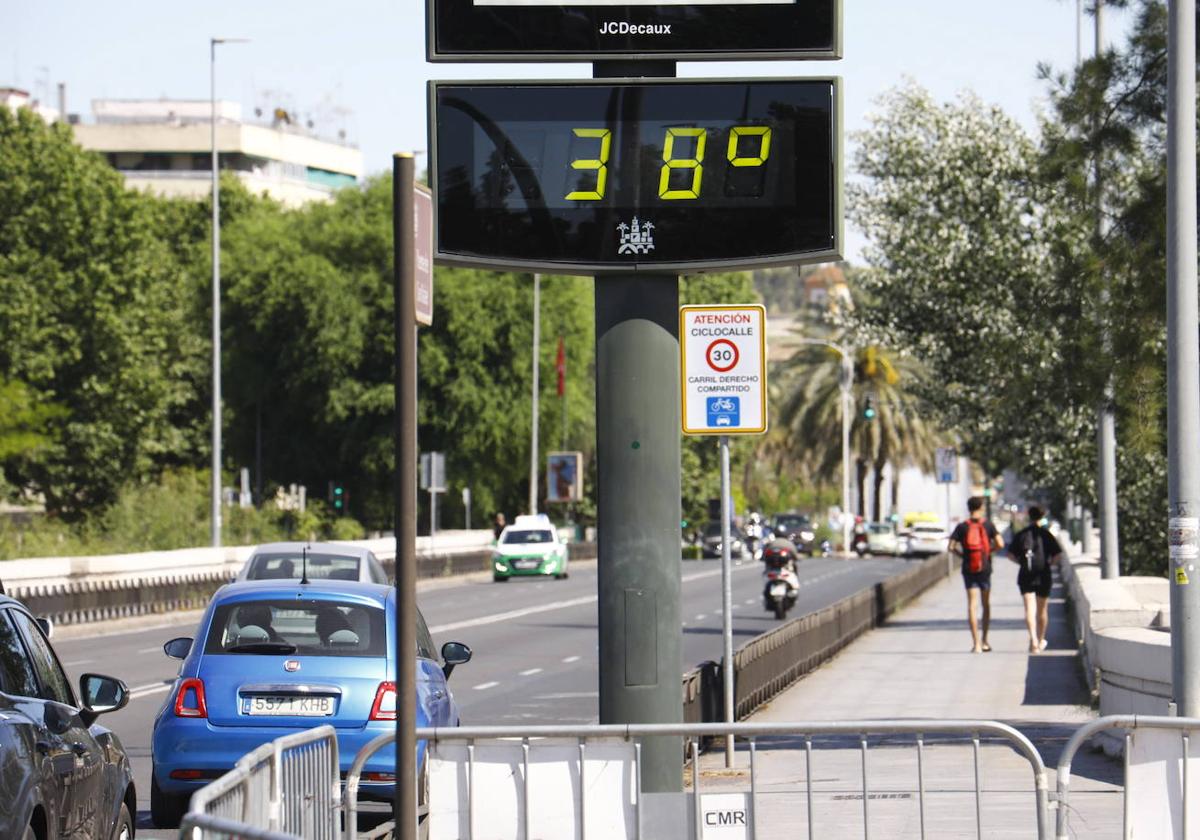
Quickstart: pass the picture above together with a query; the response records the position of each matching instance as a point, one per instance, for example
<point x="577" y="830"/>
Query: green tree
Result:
<point x="92" y="317"/>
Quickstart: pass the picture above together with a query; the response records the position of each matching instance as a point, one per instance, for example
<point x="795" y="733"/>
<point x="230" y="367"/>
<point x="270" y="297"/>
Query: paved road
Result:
<point x="534" y="641"/>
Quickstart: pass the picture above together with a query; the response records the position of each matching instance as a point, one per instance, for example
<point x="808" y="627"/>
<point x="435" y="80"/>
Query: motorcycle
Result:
<point x="860" y="543"/>
<point x="826" y="548"/>
<point x="781" y="583"/>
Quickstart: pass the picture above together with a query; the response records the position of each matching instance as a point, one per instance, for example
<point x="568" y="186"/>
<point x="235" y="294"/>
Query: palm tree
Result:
<point x="897" y="435"/>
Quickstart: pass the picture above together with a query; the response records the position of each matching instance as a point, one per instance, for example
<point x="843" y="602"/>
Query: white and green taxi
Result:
<point x="529" y="546"/>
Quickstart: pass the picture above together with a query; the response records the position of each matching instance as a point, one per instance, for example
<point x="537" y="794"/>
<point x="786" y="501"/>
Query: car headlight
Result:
<point x="500" y="567"/>
<point x="806" y="535"/>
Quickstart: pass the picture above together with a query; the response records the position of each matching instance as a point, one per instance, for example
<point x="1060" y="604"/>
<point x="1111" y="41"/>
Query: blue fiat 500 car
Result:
<point x="274" y="657"/>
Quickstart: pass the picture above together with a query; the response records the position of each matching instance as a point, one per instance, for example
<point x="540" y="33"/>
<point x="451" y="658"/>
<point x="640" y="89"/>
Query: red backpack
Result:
<point x="977" y="548"/>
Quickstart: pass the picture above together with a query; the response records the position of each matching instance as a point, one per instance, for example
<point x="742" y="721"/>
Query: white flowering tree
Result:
<point x="962" y="275"/>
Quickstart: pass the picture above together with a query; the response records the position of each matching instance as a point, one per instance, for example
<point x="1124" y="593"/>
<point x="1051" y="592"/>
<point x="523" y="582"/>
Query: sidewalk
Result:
<point x="919" y="665"/>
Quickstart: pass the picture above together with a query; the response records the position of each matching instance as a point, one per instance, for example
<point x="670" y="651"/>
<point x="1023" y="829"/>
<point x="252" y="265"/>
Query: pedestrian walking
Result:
<point x="499" y="524"/>
<point x="1035" y="550"/>
<point x="973" y="541"/>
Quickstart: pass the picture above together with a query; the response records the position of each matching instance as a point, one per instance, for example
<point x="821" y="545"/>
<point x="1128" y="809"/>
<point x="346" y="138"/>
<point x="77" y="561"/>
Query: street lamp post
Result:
<point x="845" y="384"/>
<point x="216" y="291"/>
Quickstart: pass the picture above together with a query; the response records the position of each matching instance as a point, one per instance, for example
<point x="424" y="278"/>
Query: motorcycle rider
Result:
<point x="777" y="550"/>
<point x="785" y="547"/>
<point x="754" y="534"/>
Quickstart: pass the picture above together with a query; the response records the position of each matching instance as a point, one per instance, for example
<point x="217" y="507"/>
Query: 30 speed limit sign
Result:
<point x="724" y="368"/>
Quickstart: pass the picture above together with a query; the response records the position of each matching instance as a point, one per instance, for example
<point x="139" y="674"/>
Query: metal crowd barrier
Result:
<point x="195" y="826"/>
<point x="751" y="734"/>
<point x="1130" y="723"/>
<point x="290" y="785"/>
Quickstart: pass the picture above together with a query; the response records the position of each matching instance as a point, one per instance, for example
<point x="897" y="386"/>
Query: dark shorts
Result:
<point x="1037" y="582"/>
<point x="980" y="580"/>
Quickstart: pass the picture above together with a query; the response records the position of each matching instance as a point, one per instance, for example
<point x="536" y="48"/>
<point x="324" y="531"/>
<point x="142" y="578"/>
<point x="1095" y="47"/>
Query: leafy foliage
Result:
<point x="92" y="315"/>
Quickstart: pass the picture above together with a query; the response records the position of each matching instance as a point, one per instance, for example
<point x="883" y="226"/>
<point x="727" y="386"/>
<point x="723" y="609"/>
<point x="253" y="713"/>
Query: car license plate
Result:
<point x="526" y="564"/>
<point x="288" y="706"/>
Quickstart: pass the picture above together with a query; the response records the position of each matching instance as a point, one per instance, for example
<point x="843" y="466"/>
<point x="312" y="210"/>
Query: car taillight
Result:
<point x="189" y="702"/>
<point x="384" y="707"/>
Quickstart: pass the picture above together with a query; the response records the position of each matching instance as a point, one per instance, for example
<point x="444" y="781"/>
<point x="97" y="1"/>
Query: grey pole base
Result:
<point x="638" y="493"/>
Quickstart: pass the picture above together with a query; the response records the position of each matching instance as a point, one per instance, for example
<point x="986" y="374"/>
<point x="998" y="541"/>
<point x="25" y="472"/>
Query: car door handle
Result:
<point x="78" y="748"/>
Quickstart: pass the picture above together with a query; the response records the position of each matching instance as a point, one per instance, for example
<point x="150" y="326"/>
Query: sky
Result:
<point x="359" y="65"/>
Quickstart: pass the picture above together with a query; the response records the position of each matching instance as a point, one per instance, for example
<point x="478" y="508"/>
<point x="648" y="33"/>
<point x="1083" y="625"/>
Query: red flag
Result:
<point x="560" y="365"/>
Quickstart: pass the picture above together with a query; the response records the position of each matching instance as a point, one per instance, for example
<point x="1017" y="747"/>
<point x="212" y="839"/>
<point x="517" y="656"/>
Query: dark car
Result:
<point x="712" y="541"/>
<point x="61" y="775"/>
<point x="795" y="527"/>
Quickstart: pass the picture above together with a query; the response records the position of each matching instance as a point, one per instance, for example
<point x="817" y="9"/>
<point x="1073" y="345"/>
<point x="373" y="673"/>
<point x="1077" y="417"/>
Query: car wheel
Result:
<point x="166" y="809"/>
<point x="499" y="579"/>
<point x="123" y="830"/>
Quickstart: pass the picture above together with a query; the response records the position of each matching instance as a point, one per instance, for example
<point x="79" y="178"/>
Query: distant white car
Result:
<point x="926" y="538"/>
<point x="882" y="539"/>
<point x="316" y="561"/>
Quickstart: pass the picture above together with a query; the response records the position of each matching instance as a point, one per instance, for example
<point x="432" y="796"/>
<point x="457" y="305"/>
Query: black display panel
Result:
<point x="587" y="177"/>
<point x="525" y="30"/>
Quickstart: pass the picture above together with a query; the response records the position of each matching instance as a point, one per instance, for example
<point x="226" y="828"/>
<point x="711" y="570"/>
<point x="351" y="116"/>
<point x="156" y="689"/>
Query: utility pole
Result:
<point x="1106" y="418"/>
<point x="405" y="510"/>
<point x="1183" y="359"/>
<point x="533" y="446"/>
<point x="638" y="490"/>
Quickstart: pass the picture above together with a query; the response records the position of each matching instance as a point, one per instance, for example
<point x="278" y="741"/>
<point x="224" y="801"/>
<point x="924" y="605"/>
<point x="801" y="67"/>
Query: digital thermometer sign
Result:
<point x="544" y="30"/>
<point x="630" y="175"/>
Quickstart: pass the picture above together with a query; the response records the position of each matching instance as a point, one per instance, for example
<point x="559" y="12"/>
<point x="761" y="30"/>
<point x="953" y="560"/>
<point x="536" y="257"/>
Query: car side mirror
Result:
<point x="453" y="654"/>
<point x="178" y="648"/>
<point x="47" y="626"/>
<point x="101" y="695"/>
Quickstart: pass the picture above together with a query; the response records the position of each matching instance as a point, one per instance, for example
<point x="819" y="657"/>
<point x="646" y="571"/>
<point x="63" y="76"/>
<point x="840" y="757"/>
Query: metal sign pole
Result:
<point x="405" y="511"/>
<point x="1183" y="357"/>
<point x="533" y="443"/>
<point x="726" y="598"/>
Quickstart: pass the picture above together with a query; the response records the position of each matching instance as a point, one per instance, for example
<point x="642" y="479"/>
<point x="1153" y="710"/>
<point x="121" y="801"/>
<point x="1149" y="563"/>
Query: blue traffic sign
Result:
<point x="723" y="412"/>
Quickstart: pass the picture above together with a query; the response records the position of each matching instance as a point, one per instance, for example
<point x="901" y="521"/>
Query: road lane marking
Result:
<point x="701" y="617"/>
<point x="149" y="689"/>
<point x="567" y="695"/>
<point x="151" y="649"/>
<point x="570" y="659"/>
<point x="76" y="662"/>
<point x="485" y="686"/>
<point x="541" y="608"/>
<point x="531" y="672"/>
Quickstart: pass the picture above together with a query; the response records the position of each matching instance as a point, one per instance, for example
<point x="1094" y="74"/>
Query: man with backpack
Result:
<point x="1035" y="549"/>
<point x="974" y="541"/>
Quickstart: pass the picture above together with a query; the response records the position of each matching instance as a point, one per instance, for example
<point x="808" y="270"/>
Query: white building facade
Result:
<point x="165" y="146"/>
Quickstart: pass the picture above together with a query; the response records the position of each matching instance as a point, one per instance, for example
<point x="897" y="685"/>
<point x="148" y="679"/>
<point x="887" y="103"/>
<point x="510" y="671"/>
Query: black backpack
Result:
<point x="1031" y="550"/>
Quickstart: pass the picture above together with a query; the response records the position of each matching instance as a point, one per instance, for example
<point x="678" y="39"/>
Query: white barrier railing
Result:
<point x="1164" y="769"/>
<point x="290" y="788"/>
<point x="290" y="785"/>
<point x="621" y="800"/>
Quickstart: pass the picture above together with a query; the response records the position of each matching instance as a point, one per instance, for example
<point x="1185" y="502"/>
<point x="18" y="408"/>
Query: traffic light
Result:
<point x="869" y="409"/>
<point x="337" y="496"/>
